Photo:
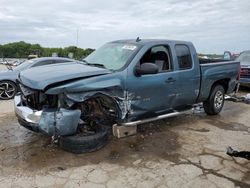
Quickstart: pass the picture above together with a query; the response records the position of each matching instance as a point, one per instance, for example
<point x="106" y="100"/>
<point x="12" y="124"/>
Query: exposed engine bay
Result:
<point x="95" y="112"/>
<point x="62" y="116"/>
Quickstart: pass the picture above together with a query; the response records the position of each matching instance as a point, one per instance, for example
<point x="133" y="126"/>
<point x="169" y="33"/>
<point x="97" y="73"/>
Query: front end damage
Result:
<point x="51" y="121"/>
<point x="68" y="113"/>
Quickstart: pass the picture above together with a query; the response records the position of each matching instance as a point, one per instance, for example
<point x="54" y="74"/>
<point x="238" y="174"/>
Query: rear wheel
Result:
<point x="8" y="90"/>
<point x="215" y="102"/>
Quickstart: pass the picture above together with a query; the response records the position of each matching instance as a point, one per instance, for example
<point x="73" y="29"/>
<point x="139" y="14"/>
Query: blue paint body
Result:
<point x="136" y="96"/>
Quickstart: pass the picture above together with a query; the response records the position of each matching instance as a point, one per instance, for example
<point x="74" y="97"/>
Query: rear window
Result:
<point x="62" y="61"/>
<point x="45" y="62"/>
<point x="183" y="56"/>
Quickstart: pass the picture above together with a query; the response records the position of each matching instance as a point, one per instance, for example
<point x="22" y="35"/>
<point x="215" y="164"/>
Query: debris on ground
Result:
<point x="198" y="108"/>
<point x="235" y="98"/>
<point x="137" y="162"/>
<point x="234" y="153"/>
<point x="2" y="148"/>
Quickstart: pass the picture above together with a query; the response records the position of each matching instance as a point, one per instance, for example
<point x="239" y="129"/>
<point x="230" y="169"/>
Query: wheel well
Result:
<point x="11" y="82"/>
<point x="99" y="104"/>
<point x="222" y="82"/>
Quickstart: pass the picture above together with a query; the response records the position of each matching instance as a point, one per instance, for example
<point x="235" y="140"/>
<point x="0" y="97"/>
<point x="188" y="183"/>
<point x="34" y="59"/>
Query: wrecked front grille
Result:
<point x="32" y="101"/>
<point x="26" y="90"/>
<point x="36" y="99"/>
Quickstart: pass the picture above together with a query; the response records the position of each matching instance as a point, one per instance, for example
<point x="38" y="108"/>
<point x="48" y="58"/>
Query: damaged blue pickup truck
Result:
<point x="120" y="85"/>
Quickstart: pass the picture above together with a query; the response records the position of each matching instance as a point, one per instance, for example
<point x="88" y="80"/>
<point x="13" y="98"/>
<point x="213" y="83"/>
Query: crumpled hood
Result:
<point x="41" y="77"/>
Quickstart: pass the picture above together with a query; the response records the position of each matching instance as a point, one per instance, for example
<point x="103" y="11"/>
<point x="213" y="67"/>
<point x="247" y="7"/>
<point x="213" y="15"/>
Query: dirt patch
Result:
<point x="175" y="147"/>
<point x="28" y="151"/>
<point x="203" y="130"/>
<point x="151" y="141"/>
<point x="232" y="126"/>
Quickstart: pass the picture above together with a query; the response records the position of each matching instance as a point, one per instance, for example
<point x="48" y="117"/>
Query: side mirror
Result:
<point x="146" y="68"/>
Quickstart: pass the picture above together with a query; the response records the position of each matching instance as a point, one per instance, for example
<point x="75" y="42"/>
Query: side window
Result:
<point x="62" y="61"/>
<point x="45" y="62"/>
<point x="160" y="56"/>
<point x="227" y="55"/>
<point x="183" y="56"/>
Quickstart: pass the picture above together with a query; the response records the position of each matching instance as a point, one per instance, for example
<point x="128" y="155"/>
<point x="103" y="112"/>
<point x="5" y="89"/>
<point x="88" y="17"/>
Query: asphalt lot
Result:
<point x="184" y="151"/>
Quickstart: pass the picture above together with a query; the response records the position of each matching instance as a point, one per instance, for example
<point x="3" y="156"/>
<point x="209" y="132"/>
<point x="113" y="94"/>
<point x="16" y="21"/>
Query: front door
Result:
<point x="153" y="94"/>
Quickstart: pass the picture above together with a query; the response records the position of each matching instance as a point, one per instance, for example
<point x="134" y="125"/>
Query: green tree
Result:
<point x="22" y="50"/>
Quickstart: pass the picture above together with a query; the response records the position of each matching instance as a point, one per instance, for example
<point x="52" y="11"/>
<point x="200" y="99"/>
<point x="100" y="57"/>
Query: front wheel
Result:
<point x="215" y="102"/>
<point x="8" y="90"/>
<point x="84" y="143"/>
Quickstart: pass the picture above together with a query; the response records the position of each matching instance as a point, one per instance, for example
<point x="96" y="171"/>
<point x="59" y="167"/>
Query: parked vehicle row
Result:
<point x="8" y="78"/>
<point x="122" y="84"/>
<point x="244" y="59"/>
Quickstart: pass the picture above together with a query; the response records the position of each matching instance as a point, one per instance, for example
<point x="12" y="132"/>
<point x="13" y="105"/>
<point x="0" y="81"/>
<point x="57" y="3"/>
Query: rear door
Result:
<point x="188" y="81"/>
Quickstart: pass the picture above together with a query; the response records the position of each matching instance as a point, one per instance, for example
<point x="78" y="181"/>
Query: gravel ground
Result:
<point x="184" y="151"/>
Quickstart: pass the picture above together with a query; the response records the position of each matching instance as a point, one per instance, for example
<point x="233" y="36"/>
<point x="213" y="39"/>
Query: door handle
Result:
<point x="170" y="80"/>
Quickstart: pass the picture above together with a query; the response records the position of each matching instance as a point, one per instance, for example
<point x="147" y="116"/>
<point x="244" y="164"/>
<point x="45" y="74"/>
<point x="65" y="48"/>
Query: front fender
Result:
<point x="111" y="86"/>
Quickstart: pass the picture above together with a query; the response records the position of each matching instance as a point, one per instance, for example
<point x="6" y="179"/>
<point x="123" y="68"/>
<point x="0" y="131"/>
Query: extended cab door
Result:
<point x="188" y="81"/>
<point x="153" y="94"/>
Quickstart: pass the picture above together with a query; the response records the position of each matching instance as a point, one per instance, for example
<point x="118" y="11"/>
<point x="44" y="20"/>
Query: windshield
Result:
<point x="112" y="56"/>
<point x="244" y="58"/>
<point x="24" y="65"/>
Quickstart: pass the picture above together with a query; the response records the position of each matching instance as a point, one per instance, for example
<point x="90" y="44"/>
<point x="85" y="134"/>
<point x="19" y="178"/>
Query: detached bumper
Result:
<point x="31" y="126"/>
<point x="48" y="121"/>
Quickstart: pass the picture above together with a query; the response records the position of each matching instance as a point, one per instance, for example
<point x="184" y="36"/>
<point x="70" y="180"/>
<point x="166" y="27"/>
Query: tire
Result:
<point x="215" y="102"/>
<point x="85" y="143"/>
<point x="8" y="90"/>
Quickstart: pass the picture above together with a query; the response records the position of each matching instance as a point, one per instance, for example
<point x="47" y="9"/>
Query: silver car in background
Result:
<point x="8" y="85"/>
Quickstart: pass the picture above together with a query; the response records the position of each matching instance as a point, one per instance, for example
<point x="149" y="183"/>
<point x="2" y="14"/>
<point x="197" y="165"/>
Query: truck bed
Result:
<point x="214" y="71"/>
<point x="205" y="61"/>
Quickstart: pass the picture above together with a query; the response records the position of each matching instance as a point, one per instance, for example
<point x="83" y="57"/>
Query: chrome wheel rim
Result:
<point x="218" y="99"/>
<point x="7" y="90"/>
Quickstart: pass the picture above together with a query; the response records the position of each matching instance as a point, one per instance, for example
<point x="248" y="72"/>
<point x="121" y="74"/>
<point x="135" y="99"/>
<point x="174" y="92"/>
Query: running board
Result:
<point x="152" y="119"/>
<point x="130" y="128"/>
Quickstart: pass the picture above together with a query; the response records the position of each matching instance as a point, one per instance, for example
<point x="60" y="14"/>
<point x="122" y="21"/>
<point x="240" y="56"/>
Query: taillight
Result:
<point x="243" y="71"/>
<point x="238" y="76"/>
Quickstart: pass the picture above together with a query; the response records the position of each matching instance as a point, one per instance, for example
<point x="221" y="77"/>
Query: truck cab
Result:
<point x="122" y="84"/>
<point x="175" y="84"/>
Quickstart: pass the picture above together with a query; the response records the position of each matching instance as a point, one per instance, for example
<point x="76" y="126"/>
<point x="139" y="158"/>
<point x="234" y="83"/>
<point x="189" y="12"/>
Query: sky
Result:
<point x="212" y="25"/>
